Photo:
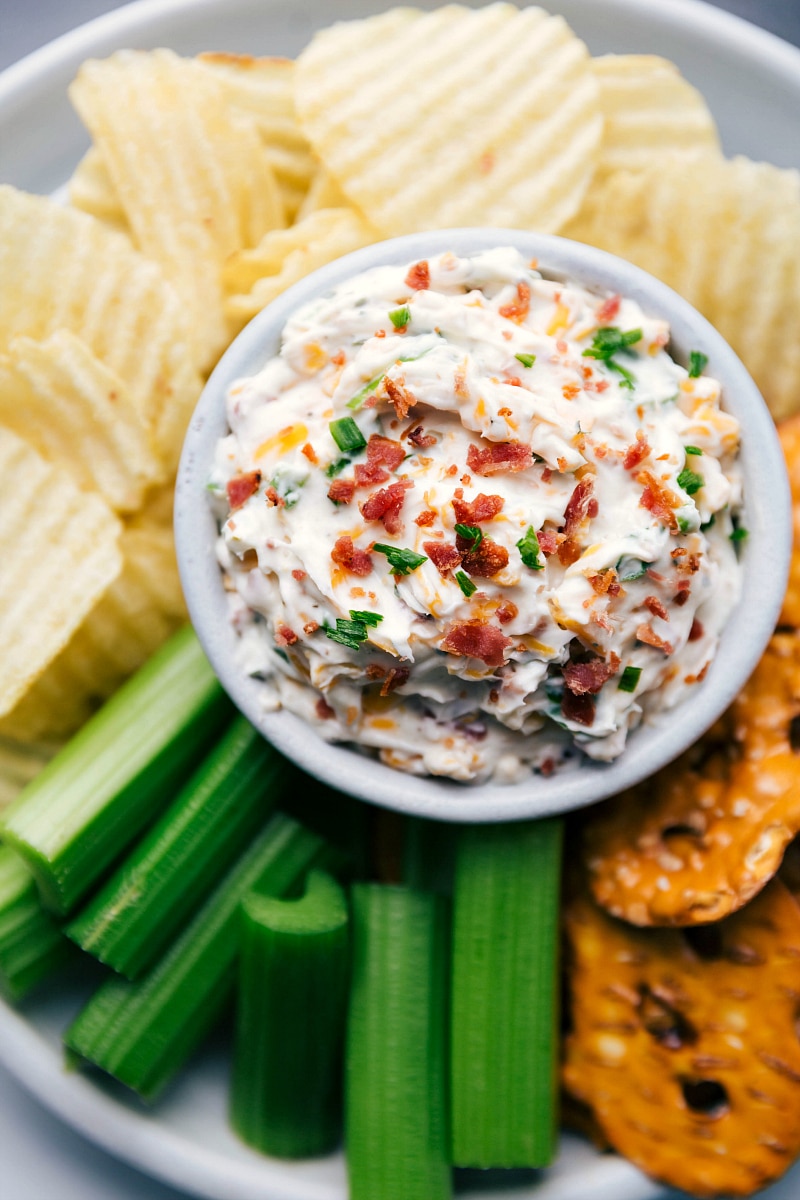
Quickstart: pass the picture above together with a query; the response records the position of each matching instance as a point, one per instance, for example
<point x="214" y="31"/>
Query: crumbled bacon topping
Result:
<point x="645" y="634"/>
<point x="419" y="438"/>
<point x="579" y="507"/>
<point x="369" y="474"/>
<point x="506" y="612"/>
<point x="272" y="498"/>
<point x="697" y="631"/>
<point x="445" y="558"/>
<point x="342" y="491"/>
<point x="400" y="396"/>
<point x="604" y="583"/>
<point x="395" y="678"/>
<point x="654" y="605"/>
<point x="284" y="636"/>
<point x="499" y="457"/>
<point x="608" y="309"/>
<point x="426" y="517"/>
<point x="519" y="310"/>
<point x="476" y="639"/>
<point x="310" y="453"/>
<point x="324" y="710"/>
<point x="548" y="541"/>
<point x="385" y="452"/>
<point x="345" y="554"/>
<point x="311" y="627"/>
<point x="588" y="677"/>
<point x="386" y="504"/>
<point x="578" y="709"/>
<point x="298" y="575"/>
<point x="242" y="487"/>
<point x="637" y="452"/>
<point x="658" y="499"/>
<point x="482" y="508"/>
<point x="485" y="561"/>
<point x="419" y="277"/>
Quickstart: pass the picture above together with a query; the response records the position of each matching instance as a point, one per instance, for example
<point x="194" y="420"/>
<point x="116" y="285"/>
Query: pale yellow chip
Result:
<point x="323" y="192"/>
<point x="19" y="764"/>
<point x="726" y="235"/>
<point x="454" y="117"/>
<point x="650" y="110"/>
<point x="78" y="414"/>
<point x="189" y="170"/>
<point x="59" y="548"/>
<point x="256" y="277"/>
<point x="91" y="190"/>
<point x="138" y="612"/>
<point x="61" y="269"/>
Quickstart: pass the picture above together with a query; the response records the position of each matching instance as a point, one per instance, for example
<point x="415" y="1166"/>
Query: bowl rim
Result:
<point x="650" y="746"/>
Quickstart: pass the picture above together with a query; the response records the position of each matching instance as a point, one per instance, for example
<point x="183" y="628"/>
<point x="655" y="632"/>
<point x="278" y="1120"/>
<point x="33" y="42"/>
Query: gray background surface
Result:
<point x="41" y="1158"/>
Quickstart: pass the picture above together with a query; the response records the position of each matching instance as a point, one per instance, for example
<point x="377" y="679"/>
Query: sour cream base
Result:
<point x="595" y="493"/>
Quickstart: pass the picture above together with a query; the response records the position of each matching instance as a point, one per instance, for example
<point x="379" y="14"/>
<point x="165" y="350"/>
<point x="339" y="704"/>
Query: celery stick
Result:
<point x="142" y="1033"/>
<point x="32" y="947"/>
<point x="505" y="994"/>
<point x="141" y="908"/>
<point x="395" y="1078"/>
<point x="101" y="790"/>
<point x="286" y="1091"/>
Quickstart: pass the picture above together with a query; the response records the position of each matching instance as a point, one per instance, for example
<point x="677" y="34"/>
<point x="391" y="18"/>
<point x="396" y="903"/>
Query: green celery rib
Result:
<point x="395" y="1075"/>
<point x="505" y="995"/>
<point x="32" y="947"/>
<point x="142" y="1033"/>
<point x="141" y="908"/>
<point x="101" y="790"/>
<point x="286" y="1091"/>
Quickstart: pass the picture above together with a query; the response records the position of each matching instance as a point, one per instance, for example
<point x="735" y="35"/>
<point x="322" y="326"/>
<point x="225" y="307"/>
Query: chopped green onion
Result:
<point x="709" y="524"/>
<point x="693" y="450"/>
<point x="684" y="524"/>
<point x="347" y="435"/>
<point x="690" y="481"/>
<point x="366" y="618"/>
<point x="529" y="550"/>
<point x="401" y="561"/>
<point x="697" y="363"/>
<point x="629" y="679"/>
<point x="348" y="633"/>
<point x="334" y="468"/>
<point x="470" y="533"/>
<point x="356" y="401"/>
<point x="465" y="583"/>
<point x="610" y="340"/>
<point x="32" y="947"/>
<point x="527" y="360"/>
<point x="739" y="534"/>
<point x="400" y="317"/>
<point x="629" y="569"/>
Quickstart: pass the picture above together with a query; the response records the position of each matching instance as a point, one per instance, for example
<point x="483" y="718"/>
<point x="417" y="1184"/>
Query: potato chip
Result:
<point x="91" y="190"/>
<point x="256" y="277"/>
<point x="138" y="612"/>
<point x="78" y="413"/>
<point x="59" y="549"/>
<point x="19" y="764"/>
<point x="189" y="171"/>
<point x="454" y="117"/>
<point x="323" y="192"/>
<point x="726" y="235"/>
<point x="61" y="269"/>
<point x="650" y="110"/>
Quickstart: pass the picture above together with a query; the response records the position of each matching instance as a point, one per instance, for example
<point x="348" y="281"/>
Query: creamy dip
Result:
<point x="476" y="520"/>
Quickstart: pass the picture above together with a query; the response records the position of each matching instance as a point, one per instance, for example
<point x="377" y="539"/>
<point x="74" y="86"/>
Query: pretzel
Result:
<point x="684" y="1042"/>
<point x="789" y="432"/>
<point x="702" y="837"/>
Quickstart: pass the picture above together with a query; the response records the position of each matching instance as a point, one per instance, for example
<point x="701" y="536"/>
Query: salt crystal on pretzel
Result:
<point x="684" y="1042"/>
<point x="702" y="837"/>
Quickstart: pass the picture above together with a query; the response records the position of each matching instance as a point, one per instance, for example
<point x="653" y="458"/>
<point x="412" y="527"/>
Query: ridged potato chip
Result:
<point x="323" y="192"/>
<point x="59" y="549"/>
<point x="91" y="190"/>
<point x="189" y="171"/>
<point x="77" y="413"/>
<point x="454" y="117"/>
<point x="726" y="235"/>
<point x="650" y="110"/>
<point x="62" y="269"/>
<point x="255" y="277"/>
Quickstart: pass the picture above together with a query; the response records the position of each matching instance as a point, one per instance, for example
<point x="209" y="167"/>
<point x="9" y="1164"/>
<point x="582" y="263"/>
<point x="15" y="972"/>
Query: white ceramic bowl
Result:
<point x="766" y="552"/>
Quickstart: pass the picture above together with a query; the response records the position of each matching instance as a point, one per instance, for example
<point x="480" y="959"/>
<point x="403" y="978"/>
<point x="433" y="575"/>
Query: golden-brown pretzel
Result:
<point x="684" y="1042"/>
<point x="702" y="837"/>
<point x="789" y="432"/>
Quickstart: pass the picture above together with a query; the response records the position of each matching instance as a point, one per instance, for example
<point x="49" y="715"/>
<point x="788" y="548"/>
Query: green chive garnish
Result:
<point x="347" y="633"/>
<point x="401" y="561"/>
<point x="361" y="395"/>
<point x="529" y="550"/>
<point x="400" y="317"/>
<point x="347" y="435"/>
<point x="610" y="340"/>
<point x="465" y="583"/>
<point x="333" y="469"/>
<point x="684" y="524"/>
<point x="693" y="450"/>
<point x="738" y="535"/>
<point x="527" y="360"/>
<point x="629" y="569"/>
<point x="366" y="618"/>
<point x="470" y="533"/>
<point x="629" y="679"/>
<point x="697" y="363"/>
<point x="690" y="481"/>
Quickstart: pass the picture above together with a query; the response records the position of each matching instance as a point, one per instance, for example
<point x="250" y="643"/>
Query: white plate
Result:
<point x="752" y="82"/>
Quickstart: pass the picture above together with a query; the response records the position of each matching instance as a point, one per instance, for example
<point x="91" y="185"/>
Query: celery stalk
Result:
<point x="286" y="1091"/>
<point x="101" y="790"/>
<point x="32" y="947"/>
<point x="141" y="908"/>
<point x="395" y="1078"/>
<point x="505" y="994"/>
<point x="142" y="1033"/>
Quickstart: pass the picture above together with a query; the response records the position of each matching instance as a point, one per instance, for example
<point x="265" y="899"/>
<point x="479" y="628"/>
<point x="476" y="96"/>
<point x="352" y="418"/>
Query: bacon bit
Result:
<point x="311" y="627"/>
<point x="460" y="383"/>
<point x="602" y="385"/>
<point x="385" y="452"/>
<point x="604" y="583"/>
<point x="324" y="710"/>
<point x="401" y="398"/>
<point x="369" y="474"/>
<point x="284" y="636"/>
<point x="519" y="311"/>
<point x="570" y="390"/>
<point x="584" y="678"/>
<point x="482" y="508"/>
<point x="593" y="509"/>
<point x="452" y="470"/>
<point x="682" y="596"/>
<point x="426" y="517"/>
<point x="504" y="412"/>
<point x="547" y="474"/>
<point x="380" y="333"/>
<point x="579" y="709"/>
<point x="310" y="453"/>
<point x="657" y="499"/>
<point x="242" y="487"/>
<point x="512" y="381"/>
<point x="298" y="575"/>
<point x="506" y="612"/>
<point x="419" y="277"/>
<point x="338" y="359"/>
<point x="444" y="558"/>
<point x="485" y="561"/>
<point x="654" y="605"/>
<point x="342" y="491"/>
<point x="476" y="639"/>
<point x="697" y="631"/>
<point x="420" y="439"/>
<point x="375" y="671"/>
<point x="678" y="552"/>
<point x="345" y="554"/>
<point x="579" y="506"/>
<point x="645" y="634"/>
<point x="385" y="505"/>
<point x="273" y="499"/>
<point x="396" y="677"/>
<point x="637" y="452"/>
<point x="494" y="695"/>
<point x="548" y="541"/>
<point x="499" y="457"/>
<point x="608" y="309"/>
<point x="690" y="566"/>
